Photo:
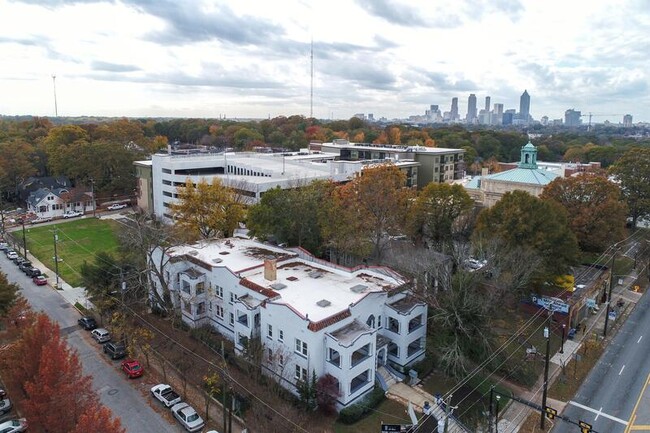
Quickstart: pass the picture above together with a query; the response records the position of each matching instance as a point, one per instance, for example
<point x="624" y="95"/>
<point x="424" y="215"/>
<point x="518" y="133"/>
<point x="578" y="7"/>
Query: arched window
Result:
<point x="371" y="321"/>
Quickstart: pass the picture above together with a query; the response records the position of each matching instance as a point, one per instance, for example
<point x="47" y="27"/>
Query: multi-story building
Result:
<point x="524" y="107"/>
<point x="453" y="114"/>
<point x="471" y="109"/>
<point x="572" y="117"/>
<point x="627" y="121"/>
<point x="250" y="174"/>
<point x="311" y="316"/>
<point x="435" y="164"/>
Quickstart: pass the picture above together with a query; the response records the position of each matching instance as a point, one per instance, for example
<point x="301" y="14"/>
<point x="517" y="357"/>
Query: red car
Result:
<point x="132" y="368"/>
<point x="39" y="280"/>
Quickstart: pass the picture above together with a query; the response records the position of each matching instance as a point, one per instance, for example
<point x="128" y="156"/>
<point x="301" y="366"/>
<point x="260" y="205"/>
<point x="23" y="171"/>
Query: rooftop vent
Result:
<point x="278" y="286"/>
<point x="292" y="278"/>
<point x="217" y="260"/>
<point x="359" y="288"/>
<point x="224" y="253"/>
<point x="193" y="253"/>
<point x="323" y="303"/>
<point x="315" y="274"/>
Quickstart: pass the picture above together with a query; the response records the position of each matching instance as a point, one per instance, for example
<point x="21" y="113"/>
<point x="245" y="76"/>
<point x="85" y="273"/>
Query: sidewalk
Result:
<point x="515" y="415"/>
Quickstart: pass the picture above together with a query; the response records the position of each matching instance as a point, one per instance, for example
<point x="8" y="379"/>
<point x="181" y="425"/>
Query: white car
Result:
<point x="14" y="426"/>
<point x="12" y="255"/>
<point x="41" y="220"/>
<point x="101" y="335"/>
<point x="72" y="214"/>
<point x="187" y="416"/>
<point x="5" y="405"/>
<point x="117" y="206"/>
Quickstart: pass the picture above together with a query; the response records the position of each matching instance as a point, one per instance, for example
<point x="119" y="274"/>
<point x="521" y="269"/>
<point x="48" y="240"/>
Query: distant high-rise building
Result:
<point x="471" y="108"/>
<point x="497" y="114"/>
<point x="487" y="103"/>
<point x="572" y="117"/>
<point x="524" y="106"/>
<point x="627" y="120"/>
<point x="434" y="108"/>
<point x="509" y="117"/>
<point x="454" y="109"/>
<point x="544" y="120"/>
<point x="371" y="117"/>
<point x="498" y="109"/>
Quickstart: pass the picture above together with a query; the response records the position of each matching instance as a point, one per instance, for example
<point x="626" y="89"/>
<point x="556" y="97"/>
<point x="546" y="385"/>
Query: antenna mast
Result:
<point x="311" y="97"/>
<point x="56" y="110"/>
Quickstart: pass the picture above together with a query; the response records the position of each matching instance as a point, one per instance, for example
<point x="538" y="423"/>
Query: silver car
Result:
<point x="187" y="416"/>
<point x="101" y="335"/>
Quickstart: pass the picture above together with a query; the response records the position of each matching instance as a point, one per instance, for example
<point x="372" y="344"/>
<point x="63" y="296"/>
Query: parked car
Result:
<point x="4" y="246"/>
<point x="9" y="251"/>
<point x="165" y="394"/>
<point x="41" y="220"/>
<point x="18" y="260"/>
<point x="72" y="214"/>
<point x="188" y="417"/>
<point x="5" y="405"/>
<point x="101" y="335"/>
<point x="115" y="350"/>
<point x="40" y="280"/>
<point x="117" y="206"/>
<point x="132" y="368"/>
<point x="24" y="265"/>
<point x="14" y="426"/>
<point x="33" y="272"/>
<point x="87" y="322"/>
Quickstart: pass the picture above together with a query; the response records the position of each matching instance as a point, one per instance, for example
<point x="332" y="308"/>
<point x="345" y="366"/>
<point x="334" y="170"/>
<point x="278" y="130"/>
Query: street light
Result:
<point x="563" y="330"/>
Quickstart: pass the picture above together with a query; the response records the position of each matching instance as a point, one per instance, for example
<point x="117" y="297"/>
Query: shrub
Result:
<point x="354" y="413"/>
<point x="425" y="366"/>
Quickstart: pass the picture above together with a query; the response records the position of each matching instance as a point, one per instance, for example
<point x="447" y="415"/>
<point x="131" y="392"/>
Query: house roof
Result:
<point x="533" y="176"/>
<point x="37" y="196"/>
<point x="32" y="184"/>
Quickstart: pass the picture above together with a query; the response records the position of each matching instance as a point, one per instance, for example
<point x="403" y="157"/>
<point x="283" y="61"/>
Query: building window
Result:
<point x="281" y="361"/>
<point x="280" y="335"/>
<point x="187" y="307"/>
<point x="200" y="288"/>
<point x="301" y="373"/>
<point x="233" y="298"/>
<point x="270" y="353"/>
<point x="218" y="291"/>
<point x="166" y="171"/>
<point x="301" y="347"/>
<point x="200" y="308"/>
<point x="232" y="319"/>
<point x="380" y="323"/>
<point x="185" y="286"/>
<point x="166" y="182"/>
<point x="219" y="310"/>
<point x="393" y="325"/>
<point x="270" y="332"/>
<point x="334" y="357"/>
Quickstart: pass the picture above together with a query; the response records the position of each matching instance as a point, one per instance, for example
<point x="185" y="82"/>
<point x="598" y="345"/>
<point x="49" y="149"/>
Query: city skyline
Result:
<point x="252" y="59"/>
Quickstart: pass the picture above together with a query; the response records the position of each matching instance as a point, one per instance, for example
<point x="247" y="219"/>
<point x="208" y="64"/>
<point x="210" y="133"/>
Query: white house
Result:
<point x="53" y="203"/>
<point x="310" y="315"/>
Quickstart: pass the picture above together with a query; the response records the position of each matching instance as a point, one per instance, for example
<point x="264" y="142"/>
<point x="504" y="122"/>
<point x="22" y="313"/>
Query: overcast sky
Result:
<point x="393" y="58"/>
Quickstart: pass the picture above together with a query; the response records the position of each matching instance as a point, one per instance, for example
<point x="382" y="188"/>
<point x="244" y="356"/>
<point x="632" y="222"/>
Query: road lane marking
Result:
<point x="622" y="368"/>
<point x="636" y="406"/>
<point x="640" y="427"/>
<point x="598" y="412"/>
<point x="639" y="340"/>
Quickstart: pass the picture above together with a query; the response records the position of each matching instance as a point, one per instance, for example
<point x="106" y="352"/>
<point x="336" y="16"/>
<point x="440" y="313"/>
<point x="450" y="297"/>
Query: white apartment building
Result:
<point x="310" y="315"/>
<point x="251" y="174"/>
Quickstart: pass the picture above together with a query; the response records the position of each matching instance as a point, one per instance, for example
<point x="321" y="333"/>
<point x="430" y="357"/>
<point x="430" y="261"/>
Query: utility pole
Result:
<point x="496" y="418"/>
<point x="449" y="409"/>
<point x="56" y="259"/>
<point x="609" y="296"/>
<point x="490" y="409"/>
<point x="547" y="335"/>
<point x="56" y="110"/>
<point x="24" y="240"/>
<point x="92" y="195"/>
<point x="563" y="330"/>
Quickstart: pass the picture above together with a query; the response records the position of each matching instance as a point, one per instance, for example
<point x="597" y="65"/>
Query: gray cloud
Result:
<point x="393" y="13"/>
<point x="187" y="24"/>
<point x="442" y="82"/>
<point x="19" y="41"/>
<point x="366" y="75"/>
<point x="112" y="67"/>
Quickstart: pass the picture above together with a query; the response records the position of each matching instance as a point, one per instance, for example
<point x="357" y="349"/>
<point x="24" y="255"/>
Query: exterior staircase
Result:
<point x="387" y="379"/>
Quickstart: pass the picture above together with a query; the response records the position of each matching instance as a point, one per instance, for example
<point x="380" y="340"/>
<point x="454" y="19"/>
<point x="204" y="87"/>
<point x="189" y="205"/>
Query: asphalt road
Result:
<point x="115" y="391"/>
<point x="615" y="393"/>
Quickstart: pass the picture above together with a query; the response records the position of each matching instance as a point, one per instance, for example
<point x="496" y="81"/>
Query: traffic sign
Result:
<point x="584" y="427"/>
<point x="550" y="412"/>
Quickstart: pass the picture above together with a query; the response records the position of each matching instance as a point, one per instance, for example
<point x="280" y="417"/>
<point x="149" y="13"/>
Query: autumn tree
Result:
<point x="8" y="294"/>
<point x="293" y="216"/>
<point x="327" y="393"/>
<point x="208" y="210"/>
<point x="15" y="165"/>
<point x="520" y="219"/>
<point x="632" y="170"/>
<point x="594" y="206"/>
<point x="97" y="419"/>
<point x="371" y="208"/>
<point x="437" y="209"/>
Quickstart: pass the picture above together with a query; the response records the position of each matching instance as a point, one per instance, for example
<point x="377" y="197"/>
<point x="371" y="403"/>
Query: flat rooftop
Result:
<point x="318" y="292"/>
<point x="392" y="148"/>
<point x="234" y="253"/>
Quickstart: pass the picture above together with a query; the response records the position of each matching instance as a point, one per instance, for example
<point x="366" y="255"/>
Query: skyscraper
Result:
<point x="572" y="117"/>
<point x="471" y="108"/>
<point x="524" y="106"/>
<point x="454" y="109"/>
<point x="487" y="103"/>
<point x="627" y="120"/>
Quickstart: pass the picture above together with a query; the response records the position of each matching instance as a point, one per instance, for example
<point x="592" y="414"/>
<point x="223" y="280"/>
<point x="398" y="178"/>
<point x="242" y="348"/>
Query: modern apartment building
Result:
<point x="311" y="316"/>
<point x="435" y="164"/>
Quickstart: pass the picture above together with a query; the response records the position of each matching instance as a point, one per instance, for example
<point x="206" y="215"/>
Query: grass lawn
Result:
<point x="78" y="241"/>
<point x="388" y="412"/>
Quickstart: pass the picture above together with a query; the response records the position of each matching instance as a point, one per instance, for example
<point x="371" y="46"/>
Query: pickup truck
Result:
<point x="165" y="394"/>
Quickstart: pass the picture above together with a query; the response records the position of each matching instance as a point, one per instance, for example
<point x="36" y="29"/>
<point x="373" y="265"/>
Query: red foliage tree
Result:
<point x="98" y="419"/>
